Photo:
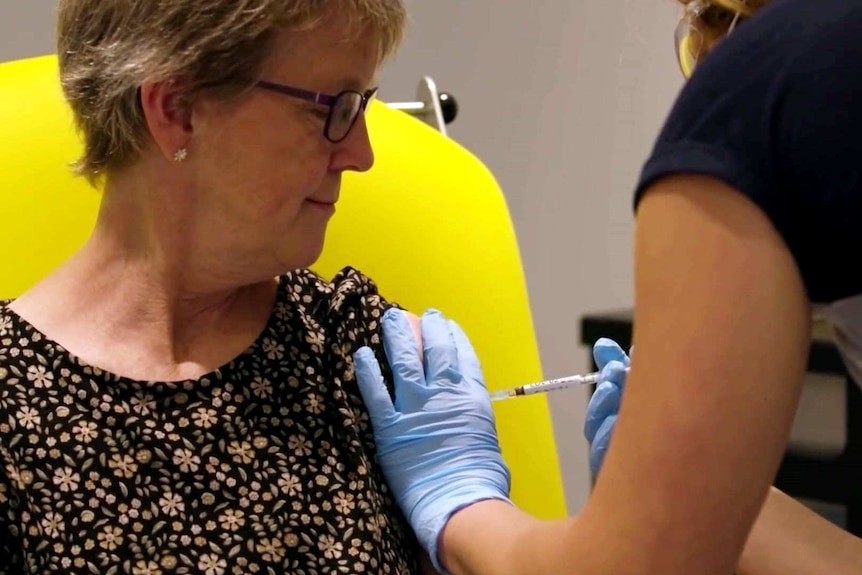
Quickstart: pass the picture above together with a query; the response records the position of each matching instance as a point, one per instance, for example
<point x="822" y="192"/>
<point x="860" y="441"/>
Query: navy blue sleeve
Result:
<point x="775" y="111"/>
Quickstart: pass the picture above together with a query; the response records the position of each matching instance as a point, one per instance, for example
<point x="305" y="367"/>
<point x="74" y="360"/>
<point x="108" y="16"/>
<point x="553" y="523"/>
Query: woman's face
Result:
<point x="266" y="178"/>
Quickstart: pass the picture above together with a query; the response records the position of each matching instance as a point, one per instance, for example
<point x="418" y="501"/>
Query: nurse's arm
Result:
<point x="722" y="327"/>
<point x="790" y="539"/>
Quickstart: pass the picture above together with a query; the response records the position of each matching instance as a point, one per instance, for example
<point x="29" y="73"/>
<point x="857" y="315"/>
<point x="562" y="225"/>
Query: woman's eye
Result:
<point x="345" y="115"/>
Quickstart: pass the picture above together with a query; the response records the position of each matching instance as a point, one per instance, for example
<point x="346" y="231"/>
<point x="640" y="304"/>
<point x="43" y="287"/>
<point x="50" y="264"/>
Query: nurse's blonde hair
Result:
<point x="715" y="21"/>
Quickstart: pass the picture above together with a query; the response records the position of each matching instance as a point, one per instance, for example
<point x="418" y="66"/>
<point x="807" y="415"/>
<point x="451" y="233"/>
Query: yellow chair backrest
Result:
<point x="428" y="223"/>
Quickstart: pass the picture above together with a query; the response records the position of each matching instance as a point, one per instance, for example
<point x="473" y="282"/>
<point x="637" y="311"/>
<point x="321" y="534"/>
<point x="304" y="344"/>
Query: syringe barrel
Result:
<point x="559" y="383"/>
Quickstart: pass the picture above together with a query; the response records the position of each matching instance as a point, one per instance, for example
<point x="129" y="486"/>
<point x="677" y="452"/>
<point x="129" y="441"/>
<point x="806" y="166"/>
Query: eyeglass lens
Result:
<point x="344" y="113"/>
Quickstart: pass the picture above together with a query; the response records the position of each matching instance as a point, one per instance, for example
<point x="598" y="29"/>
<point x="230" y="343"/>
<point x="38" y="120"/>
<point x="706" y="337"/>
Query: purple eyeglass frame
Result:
<point x="325" y="100"/>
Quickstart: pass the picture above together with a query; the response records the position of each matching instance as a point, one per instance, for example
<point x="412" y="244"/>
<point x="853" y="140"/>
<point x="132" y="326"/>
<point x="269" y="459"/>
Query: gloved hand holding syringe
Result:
<point x="547" y="385"/>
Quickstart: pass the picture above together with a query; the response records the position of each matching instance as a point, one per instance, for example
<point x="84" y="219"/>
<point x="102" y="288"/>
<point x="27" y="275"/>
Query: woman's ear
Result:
<point x="166" y="107"/>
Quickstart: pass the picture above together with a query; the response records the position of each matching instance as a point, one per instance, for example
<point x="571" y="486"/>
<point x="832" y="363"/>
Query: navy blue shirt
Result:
<point x="775" y="111"/>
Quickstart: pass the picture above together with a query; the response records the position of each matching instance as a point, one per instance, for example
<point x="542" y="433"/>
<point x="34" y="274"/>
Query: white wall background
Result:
<point x="26" y="28"/>
<point x="562" y="99"/>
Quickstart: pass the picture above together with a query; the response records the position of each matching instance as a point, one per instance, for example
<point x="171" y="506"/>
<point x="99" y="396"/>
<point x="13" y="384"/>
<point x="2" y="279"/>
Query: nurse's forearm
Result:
<point x="495" y="537"/>
<point x="790" y="539"/>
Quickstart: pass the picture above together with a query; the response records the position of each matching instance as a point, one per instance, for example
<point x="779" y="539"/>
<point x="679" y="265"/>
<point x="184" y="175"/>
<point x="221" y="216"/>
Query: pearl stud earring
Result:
<point x="181" y="155"/>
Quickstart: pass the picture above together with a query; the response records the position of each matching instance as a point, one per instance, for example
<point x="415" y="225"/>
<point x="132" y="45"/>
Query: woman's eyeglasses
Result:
<point x="344" y="108"/>
<point x="688" y="39"/>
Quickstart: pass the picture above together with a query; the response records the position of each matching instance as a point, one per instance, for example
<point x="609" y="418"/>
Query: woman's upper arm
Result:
<point x="721" y="326"/>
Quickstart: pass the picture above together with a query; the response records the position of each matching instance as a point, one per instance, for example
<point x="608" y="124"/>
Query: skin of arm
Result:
<point x="722" y="328"/>
<point x="790" y="539"/>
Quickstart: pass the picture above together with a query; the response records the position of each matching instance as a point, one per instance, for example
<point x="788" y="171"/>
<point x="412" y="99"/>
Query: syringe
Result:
<point x="547" y="385"/>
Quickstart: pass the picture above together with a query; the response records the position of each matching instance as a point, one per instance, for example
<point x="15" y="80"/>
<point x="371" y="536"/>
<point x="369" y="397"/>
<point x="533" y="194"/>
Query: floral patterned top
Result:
<point x="265" y="465"/>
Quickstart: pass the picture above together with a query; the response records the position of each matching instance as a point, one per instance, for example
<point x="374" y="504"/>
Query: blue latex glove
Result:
<point x="605" y="403"/>
<point x="437" y="445"/>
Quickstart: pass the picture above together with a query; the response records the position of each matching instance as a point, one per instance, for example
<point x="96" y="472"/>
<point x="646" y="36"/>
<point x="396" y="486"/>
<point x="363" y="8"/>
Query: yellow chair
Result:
<point x="428" y="223"/>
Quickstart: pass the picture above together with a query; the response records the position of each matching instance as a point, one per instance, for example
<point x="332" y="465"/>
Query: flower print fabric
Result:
<point x="265" y="465"/>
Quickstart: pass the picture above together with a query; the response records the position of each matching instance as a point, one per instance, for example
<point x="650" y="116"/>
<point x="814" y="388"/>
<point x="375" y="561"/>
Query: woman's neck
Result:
<point x="145" y="298"/>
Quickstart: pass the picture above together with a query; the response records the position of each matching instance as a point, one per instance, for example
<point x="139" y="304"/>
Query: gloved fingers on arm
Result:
<point x="468" y="361"/>
<point x="372" y="387"/>
<point x="405" y="358"/>
<point x="604" y="403"/>
<point x="438" y="341"/>
<point x="614" y="372"/>
<point x="599" y="447"/>
<point x="606" y="350"/>
<point x="401" y="346"/>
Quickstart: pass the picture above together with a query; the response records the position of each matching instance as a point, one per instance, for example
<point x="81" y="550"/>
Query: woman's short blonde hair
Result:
<point x="107" y="49"/>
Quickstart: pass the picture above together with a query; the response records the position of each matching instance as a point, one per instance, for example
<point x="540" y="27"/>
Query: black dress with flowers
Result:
<point x="263" y="466"/>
